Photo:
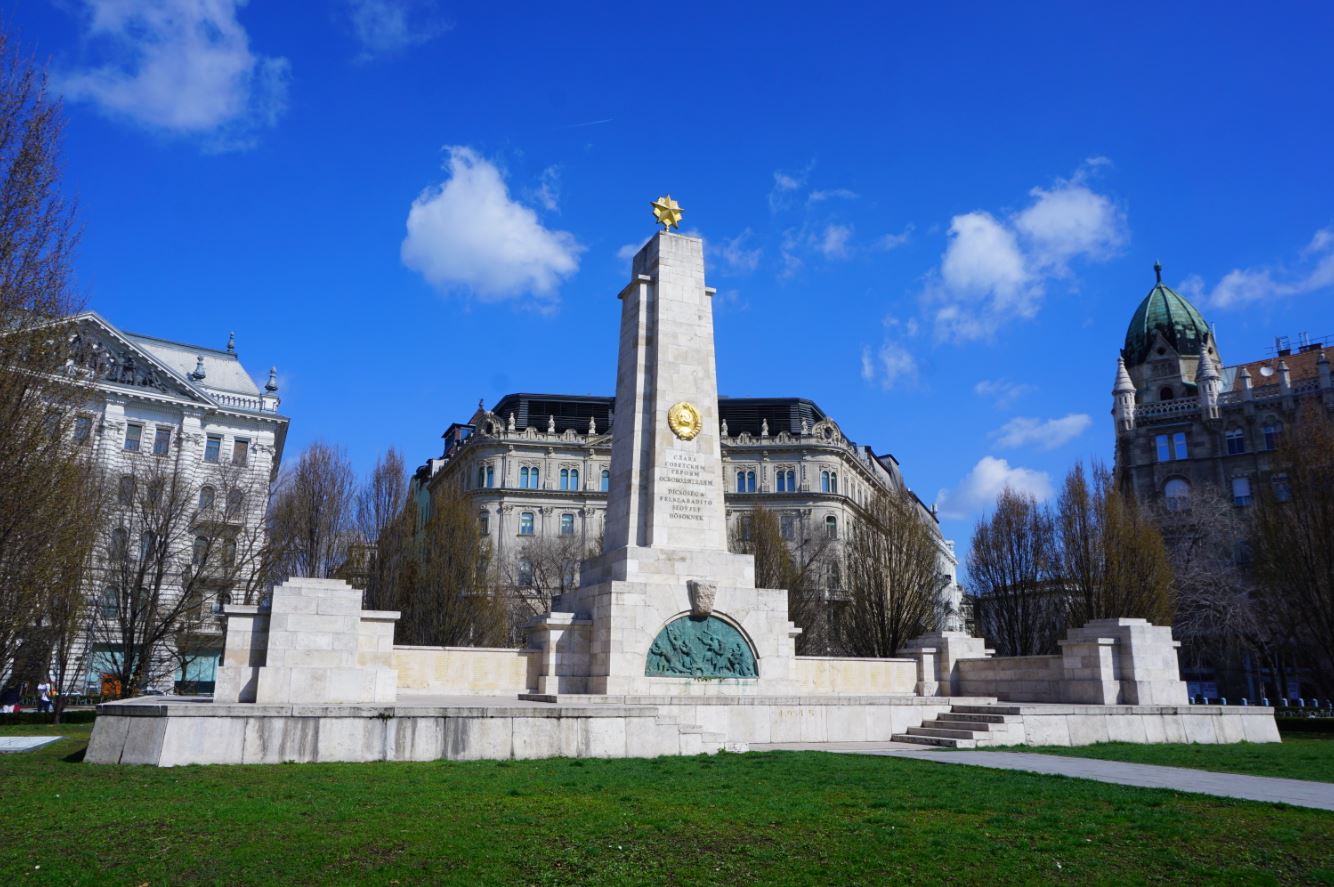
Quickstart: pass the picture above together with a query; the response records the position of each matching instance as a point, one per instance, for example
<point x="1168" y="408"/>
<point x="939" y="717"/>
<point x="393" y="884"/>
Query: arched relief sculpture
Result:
<point x="700" y="647"/>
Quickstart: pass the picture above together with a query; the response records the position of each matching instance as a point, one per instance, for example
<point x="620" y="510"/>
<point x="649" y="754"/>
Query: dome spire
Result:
<point x="1158" y="270"/>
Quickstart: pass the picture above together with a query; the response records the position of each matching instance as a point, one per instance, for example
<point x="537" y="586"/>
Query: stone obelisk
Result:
<point x="666" y="608"/>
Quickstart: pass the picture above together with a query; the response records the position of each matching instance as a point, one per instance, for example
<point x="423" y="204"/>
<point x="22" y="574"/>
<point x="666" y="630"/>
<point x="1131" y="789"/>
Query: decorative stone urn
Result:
<point x="701" y="597"/>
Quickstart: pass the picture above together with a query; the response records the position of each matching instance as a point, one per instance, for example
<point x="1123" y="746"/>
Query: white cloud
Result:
<point x="1067" y="221"/>
<point x="548" y="189"/>
<point x="628" y="252"/>
<point x="1314" y="272"/>
<point x="889" y="242"/>
<point x="888" y="366"/>
<point x="384" y="27"/>
<point x="1002" y="392"/>
<point x="468" y="234"/>
<point x="180" y="66"/>
<point x="988" y="478"/>
<point x="737" y="256"/>
<point x="820" y="196"/>
<point x="833" y="243"/>
<point x="1044" y="434"/>
<point x="780" y="195"/>
<point x="995" y="270"/>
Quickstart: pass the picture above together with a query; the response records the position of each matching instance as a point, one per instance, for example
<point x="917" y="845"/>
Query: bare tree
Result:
<point x="893" y="576"/>
<point x="444" y="583"/>
<point x="1293" y="543"/>
<point x="1019" y="601"/>
<point x="171" y="549"/>
<point x="379" y="502"/>
<point x="542" y="569"/>
<point x="313" y="513"/>
<point x="41" y="475"/>
<point x="801" y="566"/>
<point x="1111" y="558"/>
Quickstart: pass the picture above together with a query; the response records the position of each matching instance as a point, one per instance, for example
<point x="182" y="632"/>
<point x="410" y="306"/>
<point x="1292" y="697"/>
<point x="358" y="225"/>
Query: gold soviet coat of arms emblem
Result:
<point x="684" y="420"/>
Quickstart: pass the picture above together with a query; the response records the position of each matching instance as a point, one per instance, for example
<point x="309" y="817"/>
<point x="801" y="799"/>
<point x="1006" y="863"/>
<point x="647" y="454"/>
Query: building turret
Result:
<point x="1208" y="382"/>
<point x="1123" y="399"/>
<point x="1246" y="384"/>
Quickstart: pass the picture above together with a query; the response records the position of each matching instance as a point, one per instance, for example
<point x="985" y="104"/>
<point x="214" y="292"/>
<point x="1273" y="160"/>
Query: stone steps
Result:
<point x="965" y="726"/>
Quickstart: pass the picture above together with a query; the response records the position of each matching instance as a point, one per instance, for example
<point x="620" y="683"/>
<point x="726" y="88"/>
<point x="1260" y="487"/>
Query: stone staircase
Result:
<point x="969" y="726"/>
<point x="695" y="739"/>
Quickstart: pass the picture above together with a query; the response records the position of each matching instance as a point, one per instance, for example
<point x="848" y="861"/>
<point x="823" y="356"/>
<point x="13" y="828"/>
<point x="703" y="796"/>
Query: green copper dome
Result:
<point x="1167" y="311"/>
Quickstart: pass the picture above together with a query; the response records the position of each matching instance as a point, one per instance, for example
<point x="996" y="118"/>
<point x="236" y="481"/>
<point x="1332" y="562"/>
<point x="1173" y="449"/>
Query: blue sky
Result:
<point x="934" y="222"/>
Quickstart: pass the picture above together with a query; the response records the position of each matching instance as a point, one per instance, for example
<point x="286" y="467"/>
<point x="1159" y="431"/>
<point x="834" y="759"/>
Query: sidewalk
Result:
<point x="1297" y="792"/>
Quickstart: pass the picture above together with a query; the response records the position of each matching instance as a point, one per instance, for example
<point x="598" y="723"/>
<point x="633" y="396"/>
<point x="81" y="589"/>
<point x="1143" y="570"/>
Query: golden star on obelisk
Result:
<point x="668" y="212"/>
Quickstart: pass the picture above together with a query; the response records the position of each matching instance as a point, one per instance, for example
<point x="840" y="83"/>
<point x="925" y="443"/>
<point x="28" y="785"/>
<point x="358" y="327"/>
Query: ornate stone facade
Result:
<point x="535" y="471"/>
<point x="157" y="407"/>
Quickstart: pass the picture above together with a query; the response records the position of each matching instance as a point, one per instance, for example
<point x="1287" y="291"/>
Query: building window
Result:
<point x="111" y="603"/>
<point x="831" y="527"/>
<point x="206" y="497"/>
<point x="1241" y="491"/>
<point x="481" y="476"/>
<point x="147" y="542"/>
<point x="1176" y="492"/>
<point x="743" y="527"/>
<point x="1236" y="441"/>
<point x="824" y="481"/>
<point x="240" y="451"/>
<point x="1164" y="444"/>
<point x="484" y="522"/>
<point x="833" y="481"/>
<point x="1271" y="432"/>
<point x="133" y="434"/>
<point x="606" y="480"/>
<point x="745" y="481"/>
<point x="235" y="499"/>
<point x="125" y="490"/>
<point x="213" y="448"/>
<point x="1165" y="394"/>
<point x="120" y="543"/>
<point x="490" y="476"/>
<point x="788" y="525"/>
<point x="199" y="553"/>
<point x="161" y="440"/>
<point x="523" y="478"/>
<point x="1282" y="488"/>
<point x="526" y="523"/>
<point x="567" y="525"/>
<point x="83" y="429"/>
<point x="1179" y="444"/>
<point x="229" y="552"/>
<point x="574" y="478"/>
<point x="524" y="572"/>
<point x="787" y="480"/>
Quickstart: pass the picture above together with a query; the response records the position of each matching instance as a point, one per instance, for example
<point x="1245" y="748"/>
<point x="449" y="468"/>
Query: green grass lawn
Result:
<point x="1298" y="756"/>
<point x="773" y="818"/>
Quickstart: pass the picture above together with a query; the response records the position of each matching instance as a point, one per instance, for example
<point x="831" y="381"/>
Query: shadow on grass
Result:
<point x="76" y="757"/>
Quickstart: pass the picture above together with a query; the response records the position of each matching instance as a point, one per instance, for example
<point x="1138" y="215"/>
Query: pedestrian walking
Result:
<point x="44" y="696"/>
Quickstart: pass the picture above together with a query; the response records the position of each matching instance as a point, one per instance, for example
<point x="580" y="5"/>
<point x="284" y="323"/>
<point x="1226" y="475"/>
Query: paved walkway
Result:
<point x="1297" y="792"/>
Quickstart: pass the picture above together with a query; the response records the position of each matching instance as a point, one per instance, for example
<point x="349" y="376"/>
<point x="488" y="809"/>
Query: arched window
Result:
<point x="1272" y="430"/>
<point x="229" y="552"/>
<point x="1165" y="394"/>
<point x="787" y="480"/>
<point x="835" y="577"/>
<point x="533" y="480"/>
<point x="524" y="572"/>
<point x="1177" y="492"/>
<point x="750" y="481"/>
<point x="1236" y="441"/>
<point x="567" y="525"/>
<point x="565" y="478"/>
<point x="481" y="476"/>
<point x="833" y="481"/>
<point x="490" y="477"/>
<point x="574" y="478"/>
<point x="523" y="478"/>
<point x="741" y="481"/>
<point x="526" y="523"/>
<point x="484" y="521"/>
<point x="206" y="496"/>
<point x="831" y="527"/>
<point x="234" y="501"/>
<point x="606" y="480"/>
<point x="147" y="542"/>
<point x="824" y="481"/>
